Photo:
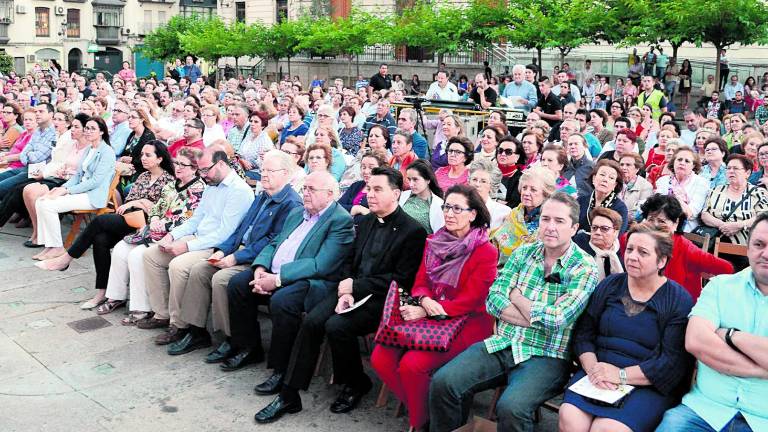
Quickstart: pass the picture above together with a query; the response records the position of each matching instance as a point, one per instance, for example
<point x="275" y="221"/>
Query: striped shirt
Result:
<point x="720" y="205"/>
<point x="555" y="307"/>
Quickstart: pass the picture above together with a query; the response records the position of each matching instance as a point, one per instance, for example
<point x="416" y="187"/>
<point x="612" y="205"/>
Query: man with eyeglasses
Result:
<point x="536" y="299"/>
<point x="118" y="138"/>
<point x="239" y="114"/>
<point x="168" y="262"/>
<point x="37" y="150"/>
<point x="388" y="247"/>
<point x="208" y="279"/>
<point x="406" y="121"/>
<point x="382" y="117"/>
<point x="171" y="128"/>
<point x="193" y="137"/>
<point x="292" y="274"/>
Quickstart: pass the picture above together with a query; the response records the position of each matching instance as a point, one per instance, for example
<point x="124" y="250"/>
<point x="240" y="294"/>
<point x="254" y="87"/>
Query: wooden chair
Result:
<point x="113" y="202"/>
<point x="701" y="241"/>
<point x="729" y="249"/>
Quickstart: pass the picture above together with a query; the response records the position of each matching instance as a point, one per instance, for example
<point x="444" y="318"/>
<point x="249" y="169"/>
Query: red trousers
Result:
<point x="408" y="372"/>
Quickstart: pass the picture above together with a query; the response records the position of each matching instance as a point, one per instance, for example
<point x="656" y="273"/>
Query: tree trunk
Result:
<point x="357" y="67"/>
<point x="717" y="67"/>
<point x="289" y="68"/>
<point x="349" y="70"/>
<point x="440" y="57"/>
<point x="539" y="64"/>
<point x="675" y="47"/>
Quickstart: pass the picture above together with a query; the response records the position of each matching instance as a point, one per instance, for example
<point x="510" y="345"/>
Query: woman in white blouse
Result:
<point x="686" y="185"/>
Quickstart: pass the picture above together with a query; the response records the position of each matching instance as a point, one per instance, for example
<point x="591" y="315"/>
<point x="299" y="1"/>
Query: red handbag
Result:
<point x="423" y="334"/>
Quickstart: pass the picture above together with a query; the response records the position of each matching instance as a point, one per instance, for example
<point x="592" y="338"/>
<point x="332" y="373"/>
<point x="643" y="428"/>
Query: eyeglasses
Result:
<point x="605" y="229"/>
<point x="456" y="152"/>
<point x="313" y="190"/>
<point x="177" y="163"/>
<point x="8" y="112"/>
<point x="273" y="171"/>
<point x="205" y="171"/>
<point x="479" y="180"/>
<point x="290" y="153"/>
<point x="505" y="151"/>
<point x="454" y="209"/>
<point x="323" y="116"/>
<point x="192" y="126"/>
<point x="119" y="111"/>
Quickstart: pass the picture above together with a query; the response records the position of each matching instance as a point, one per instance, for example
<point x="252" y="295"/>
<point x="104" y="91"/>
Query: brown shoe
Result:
<point x="152" y="323"/>
<point x="172" y="335"/>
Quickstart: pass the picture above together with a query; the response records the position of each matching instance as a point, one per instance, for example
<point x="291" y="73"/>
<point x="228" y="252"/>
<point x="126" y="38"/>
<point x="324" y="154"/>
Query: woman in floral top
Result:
<point x="521" y="226"/>
<point x="177" y="202"/>
<point x="108" y="229"/>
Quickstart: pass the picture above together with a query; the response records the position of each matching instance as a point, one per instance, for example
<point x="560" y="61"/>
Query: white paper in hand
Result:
<point x="585" y="388"/>
<point x="357" y="304"/>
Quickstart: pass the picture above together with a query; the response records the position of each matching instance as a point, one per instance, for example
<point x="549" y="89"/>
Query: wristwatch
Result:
<point x="728" y="339"/>
<point x="278" y="282"/>
<point x="623" y="376"/>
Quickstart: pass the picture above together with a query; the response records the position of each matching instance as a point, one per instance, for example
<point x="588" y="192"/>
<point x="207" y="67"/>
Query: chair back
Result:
<point x="723" y="248"/>
<point x="699" y="240"/>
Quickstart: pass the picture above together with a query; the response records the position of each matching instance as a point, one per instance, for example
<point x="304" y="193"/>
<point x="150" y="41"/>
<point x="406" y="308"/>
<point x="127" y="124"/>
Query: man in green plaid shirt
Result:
<point x="536" y="300"/>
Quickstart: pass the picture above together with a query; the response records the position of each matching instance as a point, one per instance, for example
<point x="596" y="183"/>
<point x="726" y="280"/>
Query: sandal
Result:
<point x="109" y="306"/>
<point x="134" y="317"/>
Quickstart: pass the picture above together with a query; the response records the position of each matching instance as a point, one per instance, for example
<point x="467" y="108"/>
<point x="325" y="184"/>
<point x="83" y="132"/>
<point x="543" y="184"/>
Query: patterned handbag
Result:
<point x="423" y="334"/>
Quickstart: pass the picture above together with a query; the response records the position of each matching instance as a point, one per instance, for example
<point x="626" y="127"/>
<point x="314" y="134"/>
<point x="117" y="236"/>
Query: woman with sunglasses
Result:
<point x="106" y="230"/>
<point x="510" y="158"/>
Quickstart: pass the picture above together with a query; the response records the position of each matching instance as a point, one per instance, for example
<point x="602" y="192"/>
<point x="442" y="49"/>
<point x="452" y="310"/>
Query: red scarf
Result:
<point x="508" y="170"/>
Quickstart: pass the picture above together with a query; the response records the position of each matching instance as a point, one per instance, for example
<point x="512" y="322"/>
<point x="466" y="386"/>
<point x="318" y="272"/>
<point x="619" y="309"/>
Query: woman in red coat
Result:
<point x="689" y="262"/>
<point x="458" y="268"/>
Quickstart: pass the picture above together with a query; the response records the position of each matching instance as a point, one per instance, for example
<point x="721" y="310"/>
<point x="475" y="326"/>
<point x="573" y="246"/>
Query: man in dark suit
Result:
<point x="207" y="283"/>
<point x="388" y="247"/>
<point x="292" y="274"/>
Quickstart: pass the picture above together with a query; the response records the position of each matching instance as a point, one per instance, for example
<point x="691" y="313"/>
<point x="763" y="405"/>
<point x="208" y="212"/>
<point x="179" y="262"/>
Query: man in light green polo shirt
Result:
<point x="728" y="335"/>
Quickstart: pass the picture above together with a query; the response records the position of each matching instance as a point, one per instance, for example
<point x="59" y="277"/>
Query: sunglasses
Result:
<point x="505" y="152"/>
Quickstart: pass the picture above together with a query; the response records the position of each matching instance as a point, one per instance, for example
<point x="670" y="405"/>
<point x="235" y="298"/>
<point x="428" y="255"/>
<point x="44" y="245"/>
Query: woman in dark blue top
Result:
<point x="632" y="332"/>
<point x="354" y="199"/>
<point x="607" y="181"/>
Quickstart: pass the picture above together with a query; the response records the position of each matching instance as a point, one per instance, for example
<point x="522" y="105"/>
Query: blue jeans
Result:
<point x="682" y="418"/>
<point x="529" y="384"/>
<point x="9" y="179"/>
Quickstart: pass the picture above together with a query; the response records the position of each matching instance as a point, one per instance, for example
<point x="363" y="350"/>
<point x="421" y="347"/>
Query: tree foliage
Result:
<point x="6" y="63"/>
<point x="435" y="27"/>
<point x="164" y="43"/>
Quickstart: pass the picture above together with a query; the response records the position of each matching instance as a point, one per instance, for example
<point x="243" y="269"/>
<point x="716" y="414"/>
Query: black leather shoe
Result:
<point x="223" y="352"/>
<point x="276" y="409"/>
<point x="241" y="360"/>
<point x="191" y="341"/>
<point x="349" y="398"/>
<point x="271" y="386"/>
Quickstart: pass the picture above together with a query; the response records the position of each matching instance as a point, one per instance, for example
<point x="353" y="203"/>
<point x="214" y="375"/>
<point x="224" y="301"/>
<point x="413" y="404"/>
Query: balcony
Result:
<point x="6" y="19"/>
<point x="107" y="35"/>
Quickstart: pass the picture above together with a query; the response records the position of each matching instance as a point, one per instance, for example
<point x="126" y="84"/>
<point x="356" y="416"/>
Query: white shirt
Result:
<point x="697" y="190"/>
<point x="498" y="212"/>
<point x="212" y="134"/>
<point x="448" y="93"/>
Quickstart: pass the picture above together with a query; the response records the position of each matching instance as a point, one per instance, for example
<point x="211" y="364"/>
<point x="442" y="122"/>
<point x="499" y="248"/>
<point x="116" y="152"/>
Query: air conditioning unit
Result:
<point x="125" y="31"/>
<point x="31" y="58"/>
<point x="21" y="9"/>
<point x="59" y="10"/>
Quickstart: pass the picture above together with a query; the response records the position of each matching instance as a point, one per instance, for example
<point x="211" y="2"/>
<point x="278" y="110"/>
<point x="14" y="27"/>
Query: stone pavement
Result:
<point x="107" y="377"/>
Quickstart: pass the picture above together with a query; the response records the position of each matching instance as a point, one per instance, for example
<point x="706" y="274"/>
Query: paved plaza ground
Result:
<point x="58" y="373"/>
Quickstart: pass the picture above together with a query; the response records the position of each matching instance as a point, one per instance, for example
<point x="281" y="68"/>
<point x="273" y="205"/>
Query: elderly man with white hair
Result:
<point x="521" y="93"/>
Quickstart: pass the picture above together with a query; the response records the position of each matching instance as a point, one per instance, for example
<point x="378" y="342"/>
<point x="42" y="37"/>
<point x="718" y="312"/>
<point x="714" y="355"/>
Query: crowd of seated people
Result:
<point x="552" y="246"/>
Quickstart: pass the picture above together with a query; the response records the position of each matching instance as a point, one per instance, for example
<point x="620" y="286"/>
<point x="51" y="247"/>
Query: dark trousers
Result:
<point x="13" y="202"/>
<point x="9" y="179"/>
<point x="342" y="331"/>
<point x="243" y="311"/>
<point x="102" y="233"/>
<point x="723" y="78"/>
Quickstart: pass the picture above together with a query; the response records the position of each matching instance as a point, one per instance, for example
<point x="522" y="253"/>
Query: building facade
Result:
<point x="79" y="34"/>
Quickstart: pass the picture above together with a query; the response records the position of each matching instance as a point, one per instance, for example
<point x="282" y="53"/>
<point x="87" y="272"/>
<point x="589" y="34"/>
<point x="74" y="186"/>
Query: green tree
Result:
<point x="720" y="23"/>
<point x="440" y="28"/>
<point x="6" y="63"/>
<point x="648" y="21"/>
<point x="164" y="43"/>
<point x="343" y="36"/>
<point x="281" y="40"/>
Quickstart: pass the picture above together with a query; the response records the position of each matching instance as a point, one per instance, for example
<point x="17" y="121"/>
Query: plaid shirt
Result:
<point x="555" y="307"/>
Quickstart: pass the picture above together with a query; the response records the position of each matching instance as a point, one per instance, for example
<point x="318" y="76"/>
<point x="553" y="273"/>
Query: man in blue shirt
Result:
<point x="167" y="263"/>
<point x="521" y="93"/>
<point x="406" y="121"/>
<point x="191" y="70"/>
<point x="728" y="334"/>
<point x="37" y="150"/>
<point x="120" y="130"/>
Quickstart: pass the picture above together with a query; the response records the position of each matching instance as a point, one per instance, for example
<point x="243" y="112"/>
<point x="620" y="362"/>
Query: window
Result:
<point x="6" y="11"/>
<point x="240" y="11"/>
<point x="200" y="11"/>
<point x="107" y="16"/>
<point x="161" y="18"/>
<point x="42" y="22"/>
<point x="282" y="11"/>
<point x="73" y="23"/>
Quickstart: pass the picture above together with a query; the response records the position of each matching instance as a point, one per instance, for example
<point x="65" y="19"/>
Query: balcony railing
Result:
<point x="107" y="35"/>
